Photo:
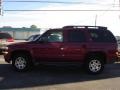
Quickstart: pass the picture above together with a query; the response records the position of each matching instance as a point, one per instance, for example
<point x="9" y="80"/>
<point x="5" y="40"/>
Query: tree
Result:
<point x="33" y="26"/>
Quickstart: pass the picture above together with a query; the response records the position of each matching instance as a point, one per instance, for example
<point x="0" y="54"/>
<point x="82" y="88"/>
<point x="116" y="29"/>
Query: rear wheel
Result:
<point x="21" y="62"/>
<point x="94" y="65"/>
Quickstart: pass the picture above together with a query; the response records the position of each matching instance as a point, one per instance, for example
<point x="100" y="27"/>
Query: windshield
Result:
<point x="33" y="38"/>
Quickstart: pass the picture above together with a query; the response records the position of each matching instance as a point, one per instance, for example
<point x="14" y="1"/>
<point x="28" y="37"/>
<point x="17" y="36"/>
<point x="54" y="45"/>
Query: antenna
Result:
<point x="96" y="20"/>
<point x="119" y="8"/>
<point x="119" y="4"/>
<point x="114" y="3"/>
<point x="0" y="6"/>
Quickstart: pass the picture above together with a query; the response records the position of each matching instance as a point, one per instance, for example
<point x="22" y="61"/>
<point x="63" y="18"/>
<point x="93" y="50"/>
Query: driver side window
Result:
<point x="53" y="36"/>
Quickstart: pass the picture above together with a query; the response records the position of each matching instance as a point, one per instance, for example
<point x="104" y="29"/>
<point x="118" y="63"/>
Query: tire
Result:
<point x="94" y="65"/>
<point x="21" y="62"/>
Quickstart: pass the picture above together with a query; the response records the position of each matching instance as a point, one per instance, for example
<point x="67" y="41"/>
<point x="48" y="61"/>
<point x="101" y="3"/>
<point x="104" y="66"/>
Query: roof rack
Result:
<point x="86" y="27"/>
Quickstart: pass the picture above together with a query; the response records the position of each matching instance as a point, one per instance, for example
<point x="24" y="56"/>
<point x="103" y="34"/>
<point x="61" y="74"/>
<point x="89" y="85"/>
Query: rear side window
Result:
<point x="102" y="36"/>
<point x="76" y="36"/>
<point x="5" y="36"/>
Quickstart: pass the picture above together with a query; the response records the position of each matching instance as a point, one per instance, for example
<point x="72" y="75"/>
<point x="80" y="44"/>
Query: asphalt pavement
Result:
<point x="58" y="78"/>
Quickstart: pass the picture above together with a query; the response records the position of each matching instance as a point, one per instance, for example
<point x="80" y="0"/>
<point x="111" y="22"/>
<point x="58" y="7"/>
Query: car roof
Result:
<point x="5" y="35"/>
<point x="80" y="27"/>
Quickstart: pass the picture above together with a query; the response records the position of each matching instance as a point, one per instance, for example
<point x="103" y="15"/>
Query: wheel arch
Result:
<point x="97" y="54"/>
<point x="25" y="52"/>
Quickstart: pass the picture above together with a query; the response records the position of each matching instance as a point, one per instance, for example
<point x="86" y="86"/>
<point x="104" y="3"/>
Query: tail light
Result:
<point x="10" y="40"/>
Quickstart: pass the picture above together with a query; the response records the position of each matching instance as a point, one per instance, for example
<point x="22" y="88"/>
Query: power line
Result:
<point x="59" y="2"/>
<point x="91" y="10"/>
<point x="43" y="1"/>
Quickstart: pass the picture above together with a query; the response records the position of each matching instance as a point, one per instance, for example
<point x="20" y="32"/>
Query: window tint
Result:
<point x="5" y="36"/>
<point x="102" y="36"/>
<point x="55" y="37"/>
<point x="52" y="36"/>
<point x="76" y="36"/>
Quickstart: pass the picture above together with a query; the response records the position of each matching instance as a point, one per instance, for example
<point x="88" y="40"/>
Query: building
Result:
<point x="20" y="33"/>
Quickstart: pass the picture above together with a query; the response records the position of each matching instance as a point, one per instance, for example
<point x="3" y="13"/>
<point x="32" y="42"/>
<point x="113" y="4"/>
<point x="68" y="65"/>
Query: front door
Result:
<point x="48" y="47"/>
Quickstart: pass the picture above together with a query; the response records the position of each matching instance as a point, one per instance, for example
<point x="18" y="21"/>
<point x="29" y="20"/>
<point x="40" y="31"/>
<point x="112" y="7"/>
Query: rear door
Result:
<point x="75" y="47"/>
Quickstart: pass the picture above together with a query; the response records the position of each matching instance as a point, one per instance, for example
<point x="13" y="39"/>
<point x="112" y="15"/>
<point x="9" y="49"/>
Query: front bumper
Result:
<point x="7" y="57"/>
<point x="2" y="51"/>
<point x="3" y="48"/>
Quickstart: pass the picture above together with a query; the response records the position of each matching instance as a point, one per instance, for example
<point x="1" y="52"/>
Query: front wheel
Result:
<point x="94" y="65"/>
<point x="21" y="62"/>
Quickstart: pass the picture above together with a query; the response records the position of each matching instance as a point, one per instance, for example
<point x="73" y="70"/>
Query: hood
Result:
<point x="18" y="44"/>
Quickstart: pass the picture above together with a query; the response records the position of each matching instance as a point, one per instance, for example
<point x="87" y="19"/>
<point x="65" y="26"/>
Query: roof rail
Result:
<point x="86" y="27"/>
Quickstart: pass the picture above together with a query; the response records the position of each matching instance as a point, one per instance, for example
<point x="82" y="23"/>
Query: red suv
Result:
<point x="91" y="46"/>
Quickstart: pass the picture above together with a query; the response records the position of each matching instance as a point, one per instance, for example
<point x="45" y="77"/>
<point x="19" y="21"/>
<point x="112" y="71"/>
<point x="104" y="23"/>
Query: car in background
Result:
<point x="33" y="37"/>
<point x="5" y="39"/>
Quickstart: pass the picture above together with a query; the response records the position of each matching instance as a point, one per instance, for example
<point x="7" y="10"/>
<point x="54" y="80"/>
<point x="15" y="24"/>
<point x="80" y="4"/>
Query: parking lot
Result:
<point x="59" y="78"/>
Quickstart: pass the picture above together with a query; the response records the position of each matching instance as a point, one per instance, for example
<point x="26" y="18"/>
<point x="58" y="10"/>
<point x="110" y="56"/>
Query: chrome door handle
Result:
<point x="62" y="48"/>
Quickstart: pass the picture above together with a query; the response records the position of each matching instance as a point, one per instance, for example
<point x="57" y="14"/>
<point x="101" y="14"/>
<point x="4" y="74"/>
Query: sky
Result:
<point x="57" y="19"/>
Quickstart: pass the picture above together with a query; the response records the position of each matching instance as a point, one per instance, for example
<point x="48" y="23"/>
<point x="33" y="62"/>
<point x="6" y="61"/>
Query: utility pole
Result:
<point x="0" y="7"/>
